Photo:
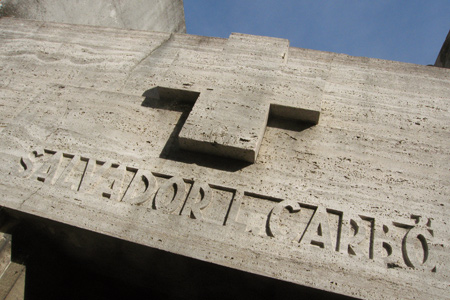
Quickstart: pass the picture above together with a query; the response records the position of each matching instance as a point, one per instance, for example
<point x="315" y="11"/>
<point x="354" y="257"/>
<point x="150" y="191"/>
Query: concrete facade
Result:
<point x="95" y="123"/>
<point x="154" y="15"/>
<point x="443" y="59"/>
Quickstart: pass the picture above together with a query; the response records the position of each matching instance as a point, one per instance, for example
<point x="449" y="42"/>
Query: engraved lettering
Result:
<point x="318" y="231"/>
<point x="274" y="222"/>
<point x="407" y="244"/>
<point x="26" y="166"/>
<point x="385" y="247"/>
<point x="105" y="179"/>
<point x="234" y="210"/>
<point x="415" y="246"/>
<point x="112" y="183"/>
<point x="199" y="198"/>
<point x="171" y="195"/>
<point x="142" y="188"/>
<point x="353" y="235"/>
<point x="47" y="172"/>
<point x="337" y="217"/>
<point x="66" y="177"/>
<point x="95" y="171"/>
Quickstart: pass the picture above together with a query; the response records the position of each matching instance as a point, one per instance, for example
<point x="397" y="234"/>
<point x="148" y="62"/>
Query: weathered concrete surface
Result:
<point x="443" y="59"/>
<point x="356" y="204"/>
<point x="154" y="15"/>
<point x="231" y="122"/>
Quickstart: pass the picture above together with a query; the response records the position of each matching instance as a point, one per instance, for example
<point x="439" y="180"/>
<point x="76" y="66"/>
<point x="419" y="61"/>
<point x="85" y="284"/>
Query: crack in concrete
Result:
<point x="63" y="118"/>
<point x="144" y="58"/>
<point x="29" y="197"/>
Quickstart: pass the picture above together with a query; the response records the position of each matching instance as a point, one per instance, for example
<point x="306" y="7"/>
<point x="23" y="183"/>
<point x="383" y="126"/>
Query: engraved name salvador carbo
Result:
<point x="405" y="244"/>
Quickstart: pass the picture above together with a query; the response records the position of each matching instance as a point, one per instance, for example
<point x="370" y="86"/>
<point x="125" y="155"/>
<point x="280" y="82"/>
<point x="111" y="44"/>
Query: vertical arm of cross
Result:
<point x="230" y="119"/>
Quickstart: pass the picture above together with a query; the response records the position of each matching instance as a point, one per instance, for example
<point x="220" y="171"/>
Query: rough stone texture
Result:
<point x="229" y="121"/>
<point x="155" y="15"/>
<point x="356" y="204"/>
<point x="443" y="59"/>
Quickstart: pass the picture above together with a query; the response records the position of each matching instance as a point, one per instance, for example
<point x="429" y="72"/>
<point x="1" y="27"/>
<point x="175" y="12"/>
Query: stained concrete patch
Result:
<point x="155" y="15"/>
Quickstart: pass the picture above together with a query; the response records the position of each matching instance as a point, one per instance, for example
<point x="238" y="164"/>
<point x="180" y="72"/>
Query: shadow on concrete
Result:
<point x="65" y="262"/>
<point x="287" y="124"/>
<point x="183" y="101"/>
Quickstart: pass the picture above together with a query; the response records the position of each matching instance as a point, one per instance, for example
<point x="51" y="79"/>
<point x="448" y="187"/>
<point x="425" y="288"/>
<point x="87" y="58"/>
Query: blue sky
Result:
<point x="409" y="31"/>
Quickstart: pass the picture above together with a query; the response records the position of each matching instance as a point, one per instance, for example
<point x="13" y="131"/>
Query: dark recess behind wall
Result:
<point x="64" y="262"/>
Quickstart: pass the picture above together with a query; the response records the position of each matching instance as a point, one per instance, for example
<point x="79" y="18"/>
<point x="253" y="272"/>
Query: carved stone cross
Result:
<point x="237" y="88"/>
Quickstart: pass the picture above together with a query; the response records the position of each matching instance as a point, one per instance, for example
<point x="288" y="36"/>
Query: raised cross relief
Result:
<point x="232" y="101"/>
